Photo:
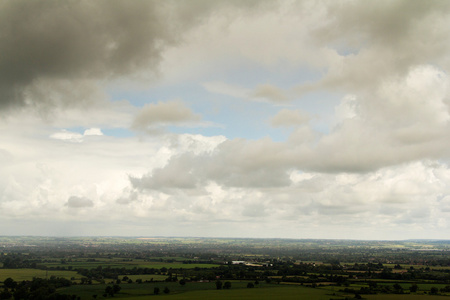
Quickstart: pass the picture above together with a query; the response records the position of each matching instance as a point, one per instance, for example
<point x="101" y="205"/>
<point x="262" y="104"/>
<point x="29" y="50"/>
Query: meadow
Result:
<point x="405" y="297"/>
<point x="279" y="293"/>
<point x="28" y="274"/>
<point x="238" y="290"/>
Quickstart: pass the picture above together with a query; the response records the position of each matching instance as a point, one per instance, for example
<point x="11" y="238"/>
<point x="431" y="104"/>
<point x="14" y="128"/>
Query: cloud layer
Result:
<point x="153" y="116"/>
<point x="46" y="44"/>
<point x="296" y="119"/>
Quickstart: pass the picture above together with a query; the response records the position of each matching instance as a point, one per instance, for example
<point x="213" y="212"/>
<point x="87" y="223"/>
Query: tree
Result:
<point x="21" y="293"/>
<point x="434" y="290"/>
<point x="218" y="284"/>
<point x="156" y="290"/>
<point x="109" y="290"/>
<point x="227" y="285"/>
<point x="166" y="290"/>
<point x="116" y="288"/>
<point x="413" y="288"/>
<point x="397" y="287"/>
<point x="182" y="282"/>
<point x="5" y="294"/>
<point x="250" y="285"/>
<point x="9" y="283"/>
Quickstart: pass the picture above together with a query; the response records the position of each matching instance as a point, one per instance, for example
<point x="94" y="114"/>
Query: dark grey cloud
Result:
<point x="45" y="40"/>
<point x="382" y="39"/>
<point x="48" y="40"/>
<point x="380" y="22"/>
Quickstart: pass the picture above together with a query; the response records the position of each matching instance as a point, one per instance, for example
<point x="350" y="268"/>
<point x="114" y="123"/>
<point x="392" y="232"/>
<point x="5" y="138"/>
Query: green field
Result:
<point x="421" y="286"/>
<point x="145" y="288"/>
<point x="28" y="274"/>
<point x="279" y="293"/>
<point x="204" y="291"/>
<point x="403" y="297"/>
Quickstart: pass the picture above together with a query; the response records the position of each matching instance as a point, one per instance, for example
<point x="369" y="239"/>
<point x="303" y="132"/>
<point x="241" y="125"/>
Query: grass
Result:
<point x="198" y="290"/>
<point x="133" y="290"/>
<point x="279" y="293"/>
<point x="28" y="274"/>
<point x="203" y="291"/>
<point x="402" y="297"/>
<point x="421" y="286"/>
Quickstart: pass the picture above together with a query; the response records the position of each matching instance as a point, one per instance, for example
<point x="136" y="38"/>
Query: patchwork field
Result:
<point x="100" y="268"/>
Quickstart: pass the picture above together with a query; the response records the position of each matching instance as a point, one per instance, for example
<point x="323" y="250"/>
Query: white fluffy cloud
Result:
<point x="75" y="137"/>
<point x="378" y="163"/>
<point x="93" y="131"/>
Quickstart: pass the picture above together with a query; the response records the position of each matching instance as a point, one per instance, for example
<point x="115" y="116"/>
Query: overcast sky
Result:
<point x="289" y="119"/>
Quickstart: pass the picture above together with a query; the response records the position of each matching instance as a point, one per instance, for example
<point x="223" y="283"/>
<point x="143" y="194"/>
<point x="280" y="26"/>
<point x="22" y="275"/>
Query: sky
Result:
<point x="262" y="119"/>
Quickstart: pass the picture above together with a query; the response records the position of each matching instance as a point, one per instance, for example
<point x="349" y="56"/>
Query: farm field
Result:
<point x="175" y="287"/>
<point x="421" y="286"/>
<point x="279" y="293"/>
<point x="28" y="274"/>
<point x="205" y="291"/>
<point x="404" y="297"/>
